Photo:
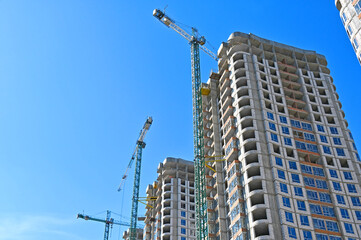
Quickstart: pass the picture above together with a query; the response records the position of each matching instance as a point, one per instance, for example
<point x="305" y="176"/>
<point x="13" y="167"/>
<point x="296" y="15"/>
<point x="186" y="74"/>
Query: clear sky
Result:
<point x="78" y="78"/>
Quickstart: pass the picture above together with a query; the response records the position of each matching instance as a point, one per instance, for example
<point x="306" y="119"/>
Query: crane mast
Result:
<point x="137" y="156"/>
<point x="196" y="43"/>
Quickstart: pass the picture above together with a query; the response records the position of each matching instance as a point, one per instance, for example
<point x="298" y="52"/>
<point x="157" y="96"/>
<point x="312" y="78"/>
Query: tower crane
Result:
<point x="197" y="42"/>
<point x="108" y="222"/>
<point x="137" y="156"/>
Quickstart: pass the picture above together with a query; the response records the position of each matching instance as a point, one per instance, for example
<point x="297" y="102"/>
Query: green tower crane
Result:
<point x="196" y="42"/>
<point x="137" y="155"/>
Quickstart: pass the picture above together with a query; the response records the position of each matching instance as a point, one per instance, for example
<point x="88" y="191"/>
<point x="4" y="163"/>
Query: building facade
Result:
<point x="291" y="169"/>
<point x="126" y="234"/>
<point x="350" y="14"/>
<point x="170" y="209"/>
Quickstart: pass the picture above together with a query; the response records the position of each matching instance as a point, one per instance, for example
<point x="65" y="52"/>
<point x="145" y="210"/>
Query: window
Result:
<point x="325" y="197"/>
<point x="283" y="188"/>
<point x="183" y="238"/>
<point x="183" y="222"/>
<point x="344" y="213"/>
<point x="355" y="201"/>
<point x="337" y="141"/>
<point x="304" y="220"/>
<point x="344" y="18"/>
<point x="323" y="139"/>
<point x="321" y="237"/>
<point x="292" y="165"/>
<point x="272" y="126"/>
<point x="298" y="191"/>
<point x="350" y="134"/>
<point x="326" y="149"/>
<point x="321" y="184"/>
<point x="281" y="174"/>
<point x="354" y="146"/>
<point x="279" y="161"/>
<point x="312" y="195"/>
<point x="289" y="217"/>
<point x="301" y="205"/>
<point x="349" y="30"/>
<point x="295" y="124"/>
<point x="309" y="181"/>
<point x="183" y="214"/>
<point x="315" y="209"/>
<point x="183" y="231"/>
<point x="351" y="188"/>
<point x="318" y="171"/>
<point x="319" y="224"/>
<point x="274" y="137"/>
<point x="300" y="145"/>
<point x="333" y="130"/>
<point x="306" y="169"/>
<point x="340" y="152"/>
<point x="307" y="235"/>
<point x="311" y="148"/>
<point x="283" y="119"/>
<point x="348" y="228"/>
<point x="295" y="178"/>
<point x="333" y="173"/>
<point x="358" y="215"/>
<point x="328" y="211"/>
<point x="288" y="141"/>
<point x="285" y="130"/>
<point x="337" y="186"/>
<point x="292" y="232"/>
<point x="309" y="137"/>
<point x="340" y="199"/>
<point x="332" y="226"/>
<point x="320" y="128"/>
<point x="355" y="43"/>
<point x="286" y="202"/>
<point x="270" y="116"/>
<point x="307" y="126"/>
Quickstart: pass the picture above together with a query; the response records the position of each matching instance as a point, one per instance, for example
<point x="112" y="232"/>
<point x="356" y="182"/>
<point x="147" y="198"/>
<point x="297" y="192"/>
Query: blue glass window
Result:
<point x="274" y="137"/>
<point x="272" y="126"/>
<point x="340" y="152"/>
<point x="350" y="135"/>
<point x="319" y="224"/>
<point x="292" y="165"/>
<point x="183" y="214"/>
<point x="183" y="231"/>
<point x="315" y="209"/>
<point x="333" y="173"/>
<point x="326" y="149"/>
<point x="295" y="178"/>
<point x="323" y="139"/>
<point x="309" y="137"/>
<point x="321" y="184"/>
<point x="325" y="197"/>
<point x="347" y="175"/>
<point x="288" y="141"/>
<point x="292" y="232"/>
<point x="295" y="124"/>
<point x="298" y="191"/>
<point x="307" y="126"/>
<point x="332" y="226"/>
<point x="321" y="237"/>
<point x="309" y="181"/>
<point x="337" y="186"/>
<point x="289" y="217"/>
<point x="358" y="215"/>
<point x="320" y="128"/>
<point x="344" y="213"/>
<point x="355" y="201"/>
<point x="311" y="148"/>
<point x="283" y="119"/>
<point x="286" y="202"/>
<point x="304" y="220"/>
<point x="333" y="130"/>
<point x="337" y="141"/>
<point x="301" y="205"/>
<point x="283" y="188"/>
<point x="270" y="116"/>
<point x="312" y="195"/>
<point x="281" y="174"/>
<point x="351" y="188"/>
<point x="306" y="169"/>
<point x="300" y="145"/>
<point x="285" y="130"/>
<point x="307" y="235"/>
<point x="183" y="222"/>
<point x="328" y="211"/>
<point x="318" y="171"/>
<point x="348" y="228"/>
<point x="279" y="161"/>
<point x="340" y="199"/>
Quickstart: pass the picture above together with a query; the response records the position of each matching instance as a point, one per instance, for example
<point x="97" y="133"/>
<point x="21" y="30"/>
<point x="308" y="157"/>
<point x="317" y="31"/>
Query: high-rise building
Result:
<point x="171" y="216"/>
<point x="291" y="168"/>
<point x="350" y="13"/>
<point x="139" y="235"/>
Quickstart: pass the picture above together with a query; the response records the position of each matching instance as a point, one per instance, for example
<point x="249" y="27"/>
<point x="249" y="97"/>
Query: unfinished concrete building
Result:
<point x="172" y="215"/>
<point x="291" y="168"/>
<point x="126" y="234"/>
<point x="350" y="14"/>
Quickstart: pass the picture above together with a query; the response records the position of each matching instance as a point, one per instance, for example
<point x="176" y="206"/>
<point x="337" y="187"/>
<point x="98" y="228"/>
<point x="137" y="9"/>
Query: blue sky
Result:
<point x="79" y="77"/>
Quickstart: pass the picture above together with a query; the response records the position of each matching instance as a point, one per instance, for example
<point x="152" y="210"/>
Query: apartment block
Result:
<point x="171" y="215"/>
<point x="126" y="234"/>
<point x="290" y="167"/>
<point x="350" y="14"/>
